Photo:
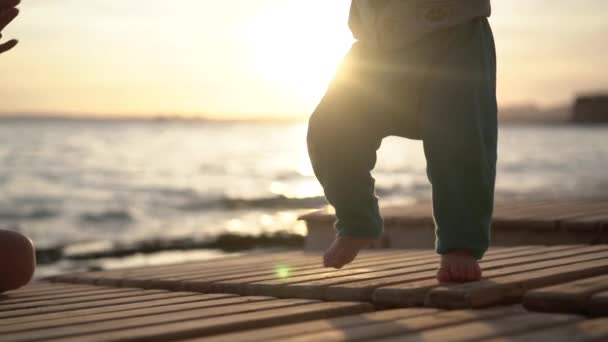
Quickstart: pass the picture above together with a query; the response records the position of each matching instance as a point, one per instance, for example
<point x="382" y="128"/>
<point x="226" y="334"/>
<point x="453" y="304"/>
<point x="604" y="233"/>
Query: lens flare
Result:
<point x="282" y="271"/>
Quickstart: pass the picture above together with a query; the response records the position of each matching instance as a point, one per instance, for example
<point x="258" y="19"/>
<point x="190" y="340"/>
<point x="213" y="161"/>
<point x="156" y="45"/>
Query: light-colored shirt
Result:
<point x="393" y="24"/>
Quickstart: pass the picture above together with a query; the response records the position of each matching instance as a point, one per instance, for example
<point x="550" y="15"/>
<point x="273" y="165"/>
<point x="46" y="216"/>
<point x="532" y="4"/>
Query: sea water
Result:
<point x="67" y="181"/>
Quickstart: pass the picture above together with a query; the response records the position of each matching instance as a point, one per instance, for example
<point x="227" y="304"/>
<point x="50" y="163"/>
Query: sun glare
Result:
<point x="297" y="45"/>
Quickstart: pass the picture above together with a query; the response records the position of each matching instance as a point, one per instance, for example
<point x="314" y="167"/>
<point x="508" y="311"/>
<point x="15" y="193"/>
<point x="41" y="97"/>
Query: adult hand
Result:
<point x="17" y="260"/>
<point x="8" y="12"/>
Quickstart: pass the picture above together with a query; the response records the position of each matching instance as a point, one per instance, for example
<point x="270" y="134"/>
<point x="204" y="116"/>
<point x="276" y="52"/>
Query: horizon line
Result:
<point x="226" y="116"/>
<point x="150" y="117"/>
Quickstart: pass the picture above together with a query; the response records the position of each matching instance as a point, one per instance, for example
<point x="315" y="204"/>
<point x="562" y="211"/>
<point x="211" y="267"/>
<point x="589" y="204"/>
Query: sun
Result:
<point x="297" y="45"/>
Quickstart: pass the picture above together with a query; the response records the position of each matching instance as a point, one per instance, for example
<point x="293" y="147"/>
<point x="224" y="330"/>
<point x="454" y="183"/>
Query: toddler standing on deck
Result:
<point x="420" y="69"/>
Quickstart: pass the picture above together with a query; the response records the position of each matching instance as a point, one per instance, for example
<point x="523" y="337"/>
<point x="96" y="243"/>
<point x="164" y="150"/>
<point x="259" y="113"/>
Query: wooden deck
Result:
<point x="392" y="278"/>
<point x="585" y="296"/>
<point x="50" y="312"/>
<point x="44" y="313"/>
<point x="288" y="296"/>
<point x="515" y="223"/>
<point x="553" y="287"/>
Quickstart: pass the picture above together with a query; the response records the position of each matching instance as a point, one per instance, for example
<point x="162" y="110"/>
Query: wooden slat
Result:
<point x="93" y="277"/>
<point x="197" y="327"/>
<point x="55" y="290"/>
<point x="169" y="278"/>
<point x="75" y="292"/>
<point x="356" y="288"/>
<point x="360" y="289"/>
<point x="405" y="326"/>
<point x="576" y="275"/>
<point x="312" y="286"/>
<point x="35" y="289"/>
<point x="235" y="265"/>
<point x="598" y="304"/>
<point x="585" y="331"/>
<point x="224" y="283"/>
<point x="267" y="271"/>
<point x="486" y="329"/>
<point x="172" y="280"/>
<point x="130" y="323"/>
<point x="510" y="288"/>
<point x="112" y="305"/>
<point x="198" y="303"/>
<point x="256" y="284"/>
<point x="569" y="297"/>
<point x="133" y="319"/>
<point x="98" y="295"/>
<point x="408" y="293"/>
<point x="312" y="327"/>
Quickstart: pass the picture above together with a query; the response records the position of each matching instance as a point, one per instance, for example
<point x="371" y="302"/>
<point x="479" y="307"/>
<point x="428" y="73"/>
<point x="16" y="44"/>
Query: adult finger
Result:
<point x="8" y="45"/>
<point x="4" y="4"/>
<point x="7" y="16"/>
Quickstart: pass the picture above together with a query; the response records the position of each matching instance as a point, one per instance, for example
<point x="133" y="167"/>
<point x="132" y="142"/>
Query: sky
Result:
<point x="258" y="58"/>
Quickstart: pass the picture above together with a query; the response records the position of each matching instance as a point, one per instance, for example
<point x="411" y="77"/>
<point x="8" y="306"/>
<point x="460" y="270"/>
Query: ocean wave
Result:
<point x="200" y="203"/>
<point x="272" y="202"/>
<point x="109" y="216"/>
<point x="417" y="188"/>
<point x="167" y="191"/>
<point x="287" y="175"/>
<point x="34" y="214"/>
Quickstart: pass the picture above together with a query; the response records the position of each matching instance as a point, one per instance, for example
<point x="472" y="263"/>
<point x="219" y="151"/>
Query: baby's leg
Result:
<point x="460" y="137"/>
<point x="344" y="133"/>
<point x="343" y="152"/>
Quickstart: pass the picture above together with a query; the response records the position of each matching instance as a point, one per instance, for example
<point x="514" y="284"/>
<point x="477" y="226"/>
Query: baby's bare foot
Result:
<point x="343" y="251"/>
<point x="458" y="266"/>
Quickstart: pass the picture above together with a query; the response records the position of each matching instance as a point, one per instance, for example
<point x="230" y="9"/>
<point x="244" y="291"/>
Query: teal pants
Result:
<point x="441" y="90"/>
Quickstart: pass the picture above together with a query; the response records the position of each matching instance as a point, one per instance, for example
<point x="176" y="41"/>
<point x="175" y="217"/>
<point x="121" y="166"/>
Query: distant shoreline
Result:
<point x="84" y="119"/>
<point x="518" y="114"/>
<point x="157" y="118"/>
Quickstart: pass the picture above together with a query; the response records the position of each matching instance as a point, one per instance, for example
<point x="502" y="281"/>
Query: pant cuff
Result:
<point x="477" y="250"/>
<point x="371" y="230"/>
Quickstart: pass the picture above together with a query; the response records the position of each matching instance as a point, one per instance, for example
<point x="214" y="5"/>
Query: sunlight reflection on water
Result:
<point x="66" y="181"/>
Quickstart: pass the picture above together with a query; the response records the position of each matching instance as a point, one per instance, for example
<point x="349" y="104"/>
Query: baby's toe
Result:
<point x="443" y="275"/>
<point x="457" y="272"/>
<point x="329" y="259"/>
<point x="476" y="273"/>
<point x="470" y="274"/>
<point x="343" y="257"/>
<point x="333" y="258"/>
